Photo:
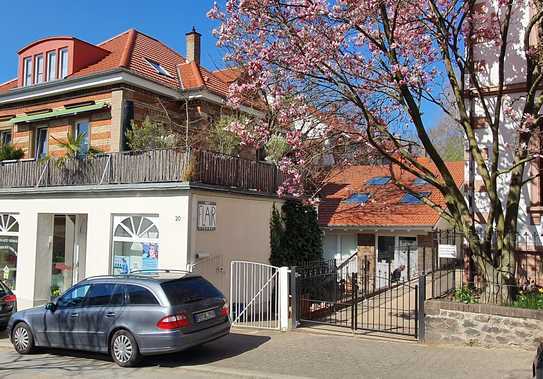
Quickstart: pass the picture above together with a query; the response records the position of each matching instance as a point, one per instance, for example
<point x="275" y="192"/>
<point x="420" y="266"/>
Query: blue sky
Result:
<point x="96" y="21"/>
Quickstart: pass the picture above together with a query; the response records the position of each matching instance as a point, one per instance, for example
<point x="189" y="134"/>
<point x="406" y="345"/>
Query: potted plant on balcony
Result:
<point x="75" y="148"/>
<point x="8" y="152"/>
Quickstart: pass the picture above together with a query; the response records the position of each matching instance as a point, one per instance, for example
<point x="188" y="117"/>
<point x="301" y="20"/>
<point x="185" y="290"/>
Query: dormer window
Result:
<point x="52" y="65"/>
<point x="63" y="63"/>
<point x="38" y="66"/>
<point x="27" y="65"/>
<point x="158" y="68"/>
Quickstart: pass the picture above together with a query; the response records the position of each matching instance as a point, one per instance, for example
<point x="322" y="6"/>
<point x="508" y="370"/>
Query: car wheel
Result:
<point x="124" y="349"/>
<point x="22" y="339"/>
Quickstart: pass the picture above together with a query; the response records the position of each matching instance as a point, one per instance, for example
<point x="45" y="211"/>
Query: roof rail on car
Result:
<point x="159" y="270"/>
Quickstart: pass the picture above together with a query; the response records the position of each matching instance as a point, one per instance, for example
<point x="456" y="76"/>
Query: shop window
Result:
<point x="135" y="243"/>
<point x="9" y="234"/>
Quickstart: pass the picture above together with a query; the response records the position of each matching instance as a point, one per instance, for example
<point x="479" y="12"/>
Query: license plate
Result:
<point x="204" y="316"/>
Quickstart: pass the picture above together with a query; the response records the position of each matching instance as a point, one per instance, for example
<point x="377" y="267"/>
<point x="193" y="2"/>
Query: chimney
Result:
<point x="193" y="46"/>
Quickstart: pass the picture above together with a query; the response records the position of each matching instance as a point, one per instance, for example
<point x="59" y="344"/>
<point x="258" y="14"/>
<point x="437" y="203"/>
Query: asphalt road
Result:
<point x="257" y="354"/>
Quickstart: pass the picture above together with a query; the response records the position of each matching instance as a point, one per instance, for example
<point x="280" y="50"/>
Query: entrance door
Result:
<point x="385" y="259"/>
<point x="68" y="252"/>
<point x="407" y="256"/>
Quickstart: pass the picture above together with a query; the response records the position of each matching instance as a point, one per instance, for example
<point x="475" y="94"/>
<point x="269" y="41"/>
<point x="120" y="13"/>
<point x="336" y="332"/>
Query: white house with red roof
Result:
<point x="120" y="210"/>
<point x="366" y="215"/>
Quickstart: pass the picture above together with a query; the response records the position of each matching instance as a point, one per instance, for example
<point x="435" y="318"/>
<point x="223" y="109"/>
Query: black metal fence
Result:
<point x="346" y="296"/>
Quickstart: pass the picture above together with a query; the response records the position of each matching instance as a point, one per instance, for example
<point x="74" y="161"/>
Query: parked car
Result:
<point x="8" y="305"/>
<point x="126" y="316"/>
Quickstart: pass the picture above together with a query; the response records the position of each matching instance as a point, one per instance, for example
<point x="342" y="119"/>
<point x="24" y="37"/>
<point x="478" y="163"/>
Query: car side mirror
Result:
<point x="50" y="307"/>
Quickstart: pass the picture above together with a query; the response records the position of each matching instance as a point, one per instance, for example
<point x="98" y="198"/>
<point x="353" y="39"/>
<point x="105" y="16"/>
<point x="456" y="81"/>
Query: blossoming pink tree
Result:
<point x="374" y="65"/>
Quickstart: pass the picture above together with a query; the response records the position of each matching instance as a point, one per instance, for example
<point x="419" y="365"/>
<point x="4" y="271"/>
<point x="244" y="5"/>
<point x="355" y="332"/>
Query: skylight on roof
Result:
<point x="409" y="198"/>
<point x="379" y="180"/>
<point x="419" y="182"/>
<point x="358" y="198"/>
<point x="158" y="68"/>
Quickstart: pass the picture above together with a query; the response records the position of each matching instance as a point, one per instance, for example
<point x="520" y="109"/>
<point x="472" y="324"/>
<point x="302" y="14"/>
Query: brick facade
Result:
<point x="106" y="126"/>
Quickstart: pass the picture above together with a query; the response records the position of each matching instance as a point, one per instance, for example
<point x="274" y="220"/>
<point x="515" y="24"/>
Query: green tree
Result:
<point x="295" y="235"/>
<point x="150" y="135"/>
<point x="9" y="152"/>
<point x="448" y="139"/>
<point x="276" y="148"/>
<point x="222" y="140"/>
<point x="276" y="236"/>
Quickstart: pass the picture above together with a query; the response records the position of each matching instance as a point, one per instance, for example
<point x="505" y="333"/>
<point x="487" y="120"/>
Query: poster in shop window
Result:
<point x="150" y="256"/>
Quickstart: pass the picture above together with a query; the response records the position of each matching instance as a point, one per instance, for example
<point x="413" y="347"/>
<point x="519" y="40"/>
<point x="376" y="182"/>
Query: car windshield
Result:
<point x="189" y="290"/>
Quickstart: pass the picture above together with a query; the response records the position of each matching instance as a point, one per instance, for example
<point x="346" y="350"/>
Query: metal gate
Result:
<point x="335" y="295"/>
<point x="259" y="295"/>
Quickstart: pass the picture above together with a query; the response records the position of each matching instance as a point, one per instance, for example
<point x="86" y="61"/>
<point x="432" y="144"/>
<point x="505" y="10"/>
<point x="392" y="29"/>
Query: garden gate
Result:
<point x="335" y="295"/>
<point x="259" y="295"/>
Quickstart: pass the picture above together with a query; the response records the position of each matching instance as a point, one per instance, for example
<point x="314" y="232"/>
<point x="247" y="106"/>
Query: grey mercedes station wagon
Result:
<point x="126" y="316"/>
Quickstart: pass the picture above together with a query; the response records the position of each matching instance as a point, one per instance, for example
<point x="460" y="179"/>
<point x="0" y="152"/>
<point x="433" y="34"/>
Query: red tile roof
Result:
<point x="132" y="50"/>
<point x="8" y="85"/>
<point x="384" y="207"/>
<point x="228" y="75"/>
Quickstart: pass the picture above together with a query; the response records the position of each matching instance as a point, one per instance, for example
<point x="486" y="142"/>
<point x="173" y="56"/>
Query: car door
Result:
<point x="103" y="306"/>
<point x="62" y="327"/>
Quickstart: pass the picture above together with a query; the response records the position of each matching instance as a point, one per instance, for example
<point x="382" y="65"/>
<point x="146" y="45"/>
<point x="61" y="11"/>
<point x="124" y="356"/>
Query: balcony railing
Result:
<point x="153" y="166"/>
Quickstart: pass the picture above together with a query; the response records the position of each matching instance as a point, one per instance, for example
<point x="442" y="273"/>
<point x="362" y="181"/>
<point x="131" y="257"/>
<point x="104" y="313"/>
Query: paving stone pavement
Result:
<point x="262" y="354"/>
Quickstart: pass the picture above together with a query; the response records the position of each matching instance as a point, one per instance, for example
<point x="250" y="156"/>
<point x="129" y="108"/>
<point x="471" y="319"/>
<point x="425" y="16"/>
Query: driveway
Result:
<point x="259" y="354"/>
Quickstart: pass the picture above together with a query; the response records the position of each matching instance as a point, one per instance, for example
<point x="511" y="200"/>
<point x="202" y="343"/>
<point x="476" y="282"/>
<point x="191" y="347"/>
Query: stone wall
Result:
<point x="482" y="325"/>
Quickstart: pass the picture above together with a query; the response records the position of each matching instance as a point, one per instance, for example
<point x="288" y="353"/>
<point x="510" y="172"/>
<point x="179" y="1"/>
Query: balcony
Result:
<point x="133" y="167"/>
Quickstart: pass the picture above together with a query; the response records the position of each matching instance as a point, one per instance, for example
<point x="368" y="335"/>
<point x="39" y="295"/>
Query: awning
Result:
<point x="58" y="113"/>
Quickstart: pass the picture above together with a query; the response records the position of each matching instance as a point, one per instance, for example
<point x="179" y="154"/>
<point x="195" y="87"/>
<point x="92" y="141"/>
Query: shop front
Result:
<point x="9" y="241"/>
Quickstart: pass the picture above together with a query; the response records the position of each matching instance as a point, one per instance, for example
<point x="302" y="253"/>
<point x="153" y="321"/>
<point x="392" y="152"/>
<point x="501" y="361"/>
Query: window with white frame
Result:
<point x="38" y="66"/>
<point x="27" y="71"/>
<point x="5" y="137"/>
<point x="135" y="243"/>
<point x="158" y="67"/>
<point x="63" y="63"/>
<point x="42" y="137"/>
<point x="82" y="130"/>
<point x="9" y="234"/>
<point x="51" y="65"/>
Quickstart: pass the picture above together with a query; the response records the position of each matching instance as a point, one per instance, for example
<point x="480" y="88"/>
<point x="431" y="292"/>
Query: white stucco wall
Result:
<point x="170" y="207"/>
<point x="242" y="233"/>
<point x="515" y="73"/>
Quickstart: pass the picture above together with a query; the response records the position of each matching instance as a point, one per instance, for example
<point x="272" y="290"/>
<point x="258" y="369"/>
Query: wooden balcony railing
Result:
<point x="153" y="166"/>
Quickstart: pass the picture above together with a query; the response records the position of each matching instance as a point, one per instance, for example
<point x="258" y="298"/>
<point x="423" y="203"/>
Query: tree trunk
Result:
<point x="497" y="283"/>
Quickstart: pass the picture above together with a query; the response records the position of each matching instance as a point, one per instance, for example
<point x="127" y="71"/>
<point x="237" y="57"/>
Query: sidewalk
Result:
<point x="259" y="354"/>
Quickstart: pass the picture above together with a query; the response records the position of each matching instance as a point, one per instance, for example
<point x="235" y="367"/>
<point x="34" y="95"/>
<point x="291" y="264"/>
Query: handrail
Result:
<point x="347" y="261"/>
